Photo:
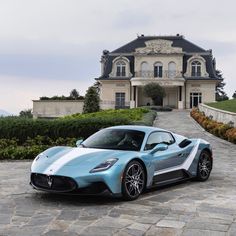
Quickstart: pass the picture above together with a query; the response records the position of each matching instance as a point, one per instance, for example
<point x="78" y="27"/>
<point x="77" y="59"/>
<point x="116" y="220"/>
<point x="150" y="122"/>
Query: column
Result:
<point x="180" y="97"/>
<point x="136" y="96"/>
<point x="132" y="97"/>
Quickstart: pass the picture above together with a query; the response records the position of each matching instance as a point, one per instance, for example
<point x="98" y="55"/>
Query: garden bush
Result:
<point x="22" y="138"/>
<point x="224" y="131"/>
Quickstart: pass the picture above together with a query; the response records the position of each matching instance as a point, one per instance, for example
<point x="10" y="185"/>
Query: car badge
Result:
<point x="49" y="179"/>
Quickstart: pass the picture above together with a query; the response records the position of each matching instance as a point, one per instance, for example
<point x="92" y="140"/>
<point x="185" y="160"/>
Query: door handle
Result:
<point x="180" y="155"/>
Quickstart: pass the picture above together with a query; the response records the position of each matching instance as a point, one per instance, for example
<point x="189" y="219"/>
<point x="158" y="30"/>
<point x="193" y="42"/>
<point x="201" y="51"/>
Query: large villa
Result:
<point x="186" y="71"/>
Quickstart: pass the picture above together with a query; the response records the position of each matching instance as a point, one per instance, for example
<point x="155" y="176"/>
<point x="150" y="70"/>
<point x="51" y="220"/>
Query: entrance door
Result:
<point x="195" y="99"/>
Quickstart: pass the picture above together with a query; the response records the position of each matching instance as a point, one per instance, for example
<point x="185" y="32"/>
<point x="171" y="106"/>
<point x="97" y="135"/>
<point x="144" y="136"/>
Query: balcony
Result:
<point x="164" y="74"/>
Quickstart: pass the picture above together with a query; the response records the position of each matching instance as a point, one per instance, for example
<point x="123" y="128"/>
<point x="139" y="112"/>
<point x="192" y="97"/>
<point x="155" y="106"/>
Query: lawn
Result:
<point x="228" y="105"/>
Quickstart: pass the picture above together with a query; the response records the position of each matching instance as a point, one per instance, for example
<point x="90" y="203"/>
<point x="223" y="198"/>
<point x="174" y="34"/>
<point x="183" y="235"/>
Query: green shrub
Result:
<point x="26" y="138"/>
<point x="224" y="131"/>
<point x="23" y="129"/>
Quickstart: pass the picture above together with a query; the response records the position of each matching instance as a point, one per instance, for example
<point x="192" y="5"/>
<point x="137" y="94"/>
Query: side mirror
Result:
<point x="159" y="147"/>
<point x="78" y="142"/>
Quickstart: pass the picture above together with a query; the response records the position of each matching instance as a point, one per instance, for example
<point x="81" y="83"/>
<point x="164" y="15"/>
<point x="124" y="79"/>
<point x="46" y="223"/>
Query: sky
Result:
<point x="49" y="47"/>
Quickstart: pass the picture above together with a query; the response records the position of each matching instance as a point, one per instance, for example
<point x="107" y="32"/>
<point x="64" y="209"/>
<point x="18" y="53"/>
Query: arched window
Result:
<point x="120" y="69"/>
<point x="196" y="68"/>
<point x="158" y="68"/>
<point x="171" y="70"/>
<point x="144" y="69"/>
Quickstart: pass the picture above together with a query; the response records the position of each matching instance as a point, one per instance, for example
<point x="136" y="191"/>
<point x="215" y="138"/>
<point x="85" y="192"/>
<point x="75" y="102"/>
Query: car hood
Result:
<point x="88" y="157"/>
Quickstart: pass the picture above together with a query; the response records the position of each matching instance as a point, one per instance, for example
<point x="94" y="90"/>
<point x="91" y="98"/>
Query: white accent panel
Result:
<point x="185" y="165"/>
<point x="75" y="153"/>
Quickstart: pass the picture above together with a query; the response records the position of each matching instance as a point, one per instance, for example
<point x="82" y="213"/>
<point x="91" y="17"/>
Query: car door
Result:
<point x="171" y="157"/>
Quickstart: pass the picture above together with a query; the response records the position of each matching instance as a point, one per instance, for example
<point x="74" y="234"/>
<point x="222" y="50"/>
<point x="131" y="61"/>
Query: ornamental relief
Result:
<point x="158" y="46"/>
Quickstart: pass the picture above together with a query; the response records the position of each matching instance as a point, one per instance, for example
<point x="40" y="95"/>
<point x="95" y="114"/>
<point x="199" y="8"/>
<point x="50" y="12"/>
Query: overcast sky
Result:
<point x="49" y="47"/>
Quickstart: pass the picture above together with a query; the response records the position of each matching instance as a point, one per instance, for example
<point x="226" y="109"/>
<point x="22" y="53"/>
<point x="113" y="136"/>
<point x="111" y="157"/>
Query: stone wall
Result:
<point x="56" y="108"/>
<point x="218" y="115"/>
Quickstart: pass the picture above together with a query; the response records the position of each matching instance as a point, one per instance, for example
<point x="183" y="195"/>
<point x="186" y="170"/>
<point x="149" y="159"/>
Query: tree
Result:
<point x="26" y="113"/>
<point x="234" y="95"/>
<point x="74" y="94"/>
<point x="155" y="92"/>
<point x="91" y="100"/>
<point x="220" y="93"/>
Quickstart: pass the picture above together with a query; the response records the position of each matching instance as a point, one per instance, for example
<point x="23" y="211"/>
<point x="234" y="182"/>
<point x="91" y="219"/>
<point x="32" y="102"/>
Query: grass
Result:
<point x="228" y="105"/>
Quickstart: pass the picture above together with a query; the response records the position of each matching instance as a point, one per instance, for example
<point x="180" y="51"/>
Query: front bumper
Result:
<point x="66" y="185"/>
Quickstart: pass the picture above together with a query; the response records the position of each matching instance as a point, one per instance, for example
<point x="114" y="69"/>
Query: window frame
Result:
<point x="120" y="99"/>
<point x="157" y="72"/>
<point x="159" y="131"/>
<point x="120" y="69"/>
<point x="196" y="68"/>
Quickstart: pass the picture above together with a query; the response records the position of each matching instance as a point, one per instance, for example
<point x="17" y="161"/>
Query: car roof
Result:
<point x="146" y="129"/>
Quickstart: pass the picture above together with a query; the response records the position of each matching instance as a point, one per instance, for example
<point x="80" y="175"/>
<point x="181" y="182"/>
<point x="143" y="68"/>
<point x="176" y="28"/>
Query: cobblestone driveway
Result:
<point x="190" y="208"/>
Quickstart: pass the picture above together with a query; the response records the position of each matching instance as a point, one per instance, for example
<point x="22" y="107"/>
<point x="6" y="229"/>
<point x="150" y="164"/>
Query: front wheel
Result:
<point x="133" y="181"/>
<point x="204" y="166"/>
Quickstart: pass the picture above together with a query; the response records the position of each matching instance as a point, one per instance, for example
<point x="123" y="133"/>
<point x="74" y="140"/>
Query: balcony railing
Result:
<point x="163" y="74"/>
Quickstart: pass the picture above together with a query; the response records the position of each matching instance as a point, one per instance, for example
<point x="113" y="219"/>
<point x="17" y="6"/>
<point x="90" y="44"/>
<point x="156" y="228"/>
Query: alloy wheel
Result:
<point x="134" y="180"/>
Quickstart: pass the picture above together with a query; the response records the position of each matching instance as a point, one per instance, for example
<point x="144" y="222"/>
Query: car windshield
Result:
<point x="117" y="139"/>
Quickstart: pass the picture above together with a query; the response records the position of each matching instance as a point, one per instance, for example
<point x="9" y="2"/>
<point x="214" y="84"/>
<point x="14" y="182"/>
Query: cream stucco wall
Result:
<point x="165" y="59"/>
<point x="207" y="88"/>
<point x="109" y="90"/>
<point x="56" y="108"/>
<point x="171" y="98"/>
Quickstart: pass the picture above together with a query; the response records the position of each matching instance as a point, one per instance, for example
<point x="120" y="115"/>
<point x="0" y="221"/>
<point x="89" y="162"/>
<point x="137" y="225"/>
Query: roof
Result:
<point x="137" y="127"/>
<point x="108" y="67"/>
<point x="209" y="66"/>
<point x="178" y="41"/>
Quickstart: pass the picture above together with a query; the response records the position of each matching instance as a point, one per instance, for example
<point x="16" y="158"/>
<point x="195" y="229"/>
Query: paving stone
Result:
<point x="197" y="232"/>
<point x="98" y="231"/>
<point x="171" y="224"/>
<point x="232" y="230"/>
<point x="208" y="226"/>
<point x="113" y="222"/>
<point x="154" y="231"/>
<point x="68" y="215"/>
<point x="5" y="219"/>
<point x="59" y="233"/>
<point x="190" y="208"/>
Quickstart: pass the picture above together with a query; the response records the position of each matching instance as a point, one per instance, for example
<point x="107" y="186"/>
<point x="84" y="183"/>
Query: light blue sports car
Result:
<point x="125" y="160"/>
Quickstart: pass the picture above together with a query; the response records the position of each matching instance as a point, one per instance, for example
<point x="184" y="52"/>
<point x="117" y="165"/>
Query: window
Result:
<point x="195" y="99"/>
<point x="120" y="69"/>
<point x="171" y="70"/>
<point x="144" y="69"/>
<point x="117" y="139"/>
<point x="158" y="70"/>
<point x="196" y="68"/>
<point x="120" y="100"/>
<point x="158" y="137"/>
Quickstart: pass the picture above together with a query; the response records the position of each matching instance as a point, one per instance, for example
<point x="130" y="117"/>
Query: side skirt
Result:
<point x="170" y="177"/>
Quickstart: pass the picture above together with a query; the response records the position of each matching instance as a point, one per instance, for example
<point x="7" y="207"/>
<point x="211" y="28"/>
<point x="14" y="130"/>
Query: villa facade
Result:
<point x="186" y="71"/>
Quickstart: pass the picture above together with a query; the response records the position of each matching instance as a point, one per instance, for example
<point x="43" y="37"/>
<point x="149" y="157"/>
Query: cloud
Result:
<point x="50" y="47"/>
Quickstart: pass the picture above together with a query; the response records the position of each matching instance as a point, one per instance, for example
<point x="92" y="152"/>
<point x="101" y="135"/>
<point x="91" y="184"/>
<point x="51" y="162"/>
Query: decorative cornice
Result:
<point x="158" y="46"/>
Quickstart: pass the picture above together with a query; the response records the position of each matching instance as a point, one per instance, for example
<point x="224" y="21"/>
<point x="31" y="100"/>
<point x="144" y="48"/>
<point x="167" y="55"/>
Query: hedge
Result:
<point x="21" y="129"/>
<point x="219" y="129"/>
<point x="25" y="138"/>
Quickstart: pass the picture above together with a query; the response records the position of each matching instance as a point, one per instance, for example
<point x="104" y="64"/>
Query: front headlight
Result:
<point x="104" y="165"/>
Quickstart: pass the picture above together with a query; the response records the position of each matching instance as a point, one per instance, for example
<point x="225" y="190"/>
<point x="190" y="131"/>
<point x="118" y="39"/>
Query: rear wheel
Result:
<point x="133" y="181"/>
<point x="204" y="166"/>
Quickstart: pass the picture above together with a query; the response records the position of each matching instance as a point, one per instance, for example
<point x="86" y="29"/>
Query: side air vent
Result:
<point x="184" y="143"/>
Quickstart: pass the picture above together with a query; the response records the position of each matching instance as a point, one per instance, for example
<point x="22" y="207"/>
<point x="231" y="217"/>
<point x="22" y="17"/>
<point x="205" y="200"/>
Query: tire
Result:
<point x="204" y="166"/>
<point x="133" y="181"/>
